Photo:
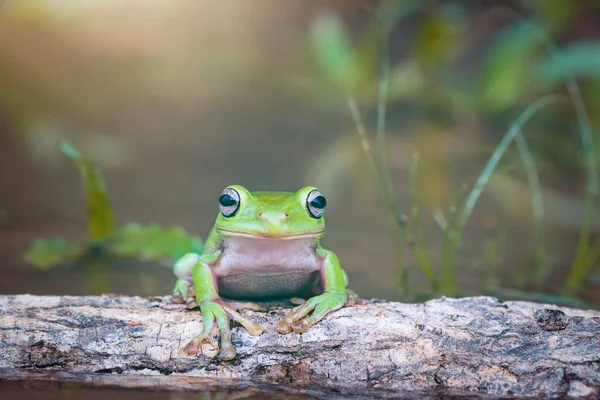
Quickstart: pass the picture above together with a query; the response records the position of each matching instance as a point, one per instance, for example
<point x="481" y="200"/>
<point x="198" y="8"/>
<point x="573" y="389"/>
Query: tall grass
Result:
<point x="466" y="210"/>
<point x="396" y="222"/>
<point x="537" y="207"/>
<point x="586" y="254"/>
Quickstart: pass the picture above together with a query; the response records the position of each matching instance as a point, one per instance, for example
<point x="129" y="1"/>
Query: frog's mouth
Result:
<point x="308" y="235"/>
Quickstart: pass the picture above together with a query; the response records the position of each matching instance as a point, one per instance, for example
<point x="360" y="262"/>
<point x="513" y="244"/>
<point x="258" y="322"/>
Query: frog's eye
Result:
<point x="316" y="203"/>
<point x="229" y="202"/>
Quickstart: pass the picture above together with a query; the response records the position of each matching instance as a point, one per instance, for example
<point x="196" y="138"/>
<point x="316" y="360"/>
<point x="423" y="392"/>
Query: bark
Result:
<point x="476" y="345"/>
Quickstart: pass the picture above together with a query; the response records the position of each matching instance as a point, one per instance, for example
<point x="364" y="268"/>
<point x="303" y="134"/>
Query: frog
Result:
<point x="263" y="245"/>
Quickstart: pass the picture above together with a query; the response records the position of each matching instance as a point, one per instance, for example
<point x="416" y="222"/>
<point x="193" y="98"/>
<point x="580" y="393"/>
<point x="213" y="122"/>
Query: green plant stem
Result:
<point x="392" y="216"/>
<point x="584" y="256"/>
<point x="419" y="245"/>
<point x="582" y="262"/>
<point x="537" y="205"/>
<point x="386" y="179"/>
<point x="486" y="174"/>
<point x="448" y="249"/>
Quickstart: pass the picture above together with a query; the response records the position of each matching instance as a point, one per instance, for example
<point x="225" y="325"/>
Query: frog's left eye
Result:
<point x="316" y="203"/>
<point x="229" y="202"/>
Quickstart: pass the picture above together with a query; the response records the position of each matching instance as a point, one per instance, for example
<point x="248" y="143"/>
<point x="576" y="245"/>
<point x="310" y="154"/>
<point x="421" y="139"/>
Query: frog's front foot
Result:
<point x="180" y="292"/>
<point x="299" y="321"/>
<point x="218" y="311"/>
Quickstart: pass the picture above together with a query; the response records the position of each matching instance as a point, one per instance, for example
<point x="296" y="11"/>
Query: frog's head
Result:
<point x="284" y="215"/>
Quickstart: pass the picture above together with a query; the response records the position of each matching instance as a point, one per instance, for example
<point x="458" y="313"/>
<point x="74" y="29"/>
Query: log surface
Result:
<point x="478" y="345"/>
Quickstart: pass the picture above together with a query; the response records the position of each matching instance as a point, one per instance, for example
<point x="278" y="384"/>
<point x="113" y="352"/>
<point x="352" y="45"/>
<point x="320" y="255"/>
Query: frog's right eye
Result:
<point x="229" y="202"/>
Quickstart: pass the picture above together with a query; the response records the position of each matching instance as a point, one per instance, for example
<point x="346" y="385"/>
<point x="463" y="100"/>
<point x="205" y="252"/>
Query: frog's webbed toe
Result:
<point x="180" y="292"/>
<point x="193" y="346"/>
<point x="251" y="327"/>
<point x="240" y="305"/>
<point x="297" y="301"/>
<point x="299" y="320"/>
<point x="219" y="312"/>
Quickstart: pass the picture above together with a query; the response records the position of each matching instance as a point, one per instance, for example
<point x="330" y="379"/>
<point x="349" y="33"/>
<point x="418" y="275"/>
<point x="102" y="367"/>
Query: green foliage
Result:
<point x="522" y="64"/>
<point x="350" y="67"/>
<point x="576" y="59"/>
<point x="334" y="52"/>
<point x="419" y="244"/>
<point x="153" y="242"/>
<point x="537" y="207"/>
<point x="505" y="78"/>
<point x="46" y="253"/>
<point x="469" y="204"/>
<point x="100" y="217"/>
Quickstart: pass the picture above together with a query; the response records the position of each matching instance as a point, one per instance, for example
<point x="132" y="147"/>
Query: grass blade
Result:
<point x="584" y="255"/>
<point x="448" y="246"/>
<point x="537" y="206"/>
<point x="419" y="245"/>
<point x="485" y="176"/>
<point x="100" y="217"/>
<point x="393" y="218"/>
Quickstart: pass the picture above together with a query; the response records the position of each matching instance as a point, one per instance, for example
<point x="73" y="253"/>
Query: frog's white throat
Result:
<point x="254" y="266"/>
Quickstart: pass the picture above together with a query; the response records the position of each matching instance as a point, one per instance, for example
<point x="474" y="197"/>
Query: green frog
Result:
<point x="264" y="245"/>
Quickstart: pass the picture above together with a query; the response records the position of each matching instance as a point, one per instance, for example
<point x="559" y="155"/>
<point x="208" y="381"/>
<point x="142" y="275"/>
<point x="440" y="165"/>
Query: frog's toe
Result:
<point x="239" y="305"/>
<point x="177" y="298"/>
<point x="301" y="326"/>
<point x="297" y="301"/>
<point x="299" y="320"/>
<point x="284" y="327"/>
<point x="227" y="351"/>
<point x="193" y="347"/>
<point x="180" y="291"/>
<point x="251" y="327"/>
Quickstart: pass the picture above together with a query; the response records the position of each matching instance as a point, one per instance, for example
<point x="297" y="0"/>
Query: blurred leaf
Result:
<point x="45" y="253"/>
<point x="436" y="40"/>
<point x="581" y="58"/>
<point x="507" y="65"/>
<point x="333" y="50"/>
<point x="389" y="13"/>
<point x="556" y="14"/>
<point x="152" y="242"/>
<point x="406" y="80"/>
<point x="351" y="66"/>
<point x="100" y="217"/>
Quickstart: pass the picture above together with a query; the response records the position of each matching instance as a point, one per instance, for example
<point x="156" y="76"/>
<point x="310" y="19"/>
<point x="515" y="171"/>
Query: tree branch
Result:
<point x="476" y="344"/>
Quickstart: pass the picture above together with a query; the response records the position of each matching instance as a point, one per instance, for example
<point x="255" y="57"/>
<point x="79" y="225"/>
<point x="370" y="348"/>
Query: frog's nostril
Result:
<point x="287" y="215"/>
<point x="260" y="215"/>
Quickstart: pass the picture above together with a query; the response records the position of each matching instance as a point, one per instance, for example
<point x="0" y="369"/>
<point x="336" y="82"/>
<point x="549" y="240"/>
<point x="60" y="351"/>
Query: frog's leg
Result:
<point x="352" y="297"/>
<point x="183" y="271"/>
<point x="215" y="310"/>
<point x="334" y="282"/>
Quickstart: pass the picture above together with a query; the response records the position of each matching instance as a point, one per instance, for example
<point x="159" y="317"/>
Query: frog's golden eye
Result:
<point x="229" y="202"/>
<point x="316" y="203"/>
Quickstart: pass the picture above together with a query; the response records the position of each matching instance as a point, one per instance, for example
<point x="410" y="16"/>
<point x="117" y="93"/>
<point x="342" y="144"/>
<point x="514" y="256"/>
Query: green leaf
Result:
<point x="507" y="68"/>
<point x="436" y="40"/>
<point x="581" y="58"/>
<point x="46" y="253"/>
<point x="152" y="242"/>
<point x="333" y="50"/>
<point x="100" y="217"/>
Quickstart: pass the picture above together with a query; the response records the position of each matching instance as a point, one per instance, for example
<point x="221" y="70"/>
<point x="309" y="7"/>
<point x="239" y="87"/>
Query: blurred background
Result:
<point x="176" y="100"/>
